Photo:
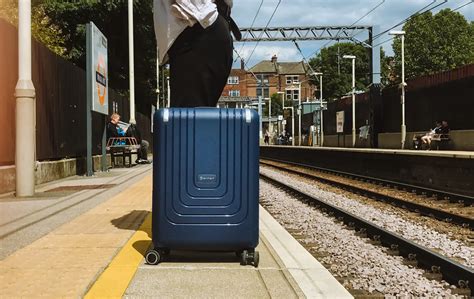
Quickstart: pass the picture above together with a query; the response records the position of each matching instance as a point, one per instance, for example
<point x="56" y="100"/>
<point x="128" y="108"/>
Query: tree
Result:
<point x="435" y="43"/>
<point x="60" y="26"/>
<point x="337" y="78"/>
<point x="42" y="30"/>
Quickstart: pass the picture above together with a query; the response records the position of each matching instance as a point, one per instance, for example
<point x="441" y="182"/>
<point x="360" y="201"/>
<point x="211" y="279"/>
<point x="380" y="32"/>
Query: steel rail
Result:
<point x="405" y="204"/>
<point x="452" y="271"/>
<point x="453" y="197"/>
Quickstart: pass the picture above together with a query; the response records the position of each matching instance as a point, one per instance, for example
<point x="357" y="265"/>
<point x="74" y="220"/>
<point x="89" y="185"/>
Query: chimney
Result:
<point x="242" y="64"/>
<point x="274" y="59"/>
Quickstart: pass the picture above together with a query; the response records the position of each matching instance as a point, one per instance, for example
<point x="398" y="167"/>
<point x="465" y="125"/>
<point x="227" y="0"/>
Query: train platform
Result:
<point x="86" y="237"/>
<point x="422" y="153"/>
<point x="451" y="171"/>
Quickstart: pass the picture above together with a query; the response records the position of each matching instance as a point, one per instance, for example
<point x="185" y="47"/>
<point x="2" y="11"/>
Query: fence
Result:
<point x="60" y="103"/>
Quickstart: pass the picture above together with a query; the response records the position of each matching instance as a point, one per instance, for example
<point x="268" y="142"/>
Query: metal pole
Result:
<point x="353" y="105"/>
<point x="403" y="128"/>
<point x="299" y="114"/>
<point x="293" y="126"/>
<point x="321" y="111"/>
<point x="157" y="83"/>
<point x="270" y="126"/>
<point x="169" y="91"/>
<point x="25" y="139"/>
<point x="261" y="116"/>
<point x="89" y="163"/>
<point x="131" y="61"/>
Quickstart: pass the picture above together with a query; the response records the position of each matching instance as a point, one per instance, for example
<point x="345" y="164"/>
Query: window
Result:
<point x="292" y="94"/>
<point x="234" y="93"/>
<point x="263" y="87"/>
<point x="292" y="80"/>
<point x="233" y="80"/>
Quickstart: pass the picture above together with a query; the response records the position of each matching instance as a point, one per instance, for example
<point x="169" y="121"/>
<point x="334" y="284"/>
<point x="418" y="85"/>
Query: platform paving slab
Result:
<point x="68" y="259"/>
<point x="24" y="220"/>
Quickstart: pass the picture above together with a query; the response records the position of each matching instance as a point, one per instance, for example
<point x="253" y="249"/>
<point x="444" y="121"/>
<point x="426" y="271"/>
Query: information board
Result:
<point x="340" y="122"/>
<point x="98" y="70"/>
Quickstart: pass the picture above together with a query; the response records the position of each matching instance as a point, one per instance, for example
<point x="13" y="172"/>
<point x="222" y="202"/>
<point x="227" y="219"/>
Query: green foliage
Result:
<point x="277" y="107"/>
<point x="111" y="17"/>
<point x="42" y="30"/>
<point x="435" y="43"/>
<point x="337" y="78"/>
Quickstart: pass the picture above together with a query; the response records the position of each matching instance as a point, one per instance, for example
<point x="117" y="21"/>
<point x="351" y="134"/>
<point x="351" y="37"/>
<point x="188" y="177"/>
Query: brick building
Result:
<point x="272" y="76"/>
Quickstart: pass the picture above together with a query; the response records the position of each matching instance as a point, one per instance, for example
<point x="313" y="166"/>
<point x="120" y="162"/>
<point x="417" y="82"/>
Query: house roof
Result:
<point x="291" y="68"/>
<point x="282" y="68"/>
<point x="265" y="66"/>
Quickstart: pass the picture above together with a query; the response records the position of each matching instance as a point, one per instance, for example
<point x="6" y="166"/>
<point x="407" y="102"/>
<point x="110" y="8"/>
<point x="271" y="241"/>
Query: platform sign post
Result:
<point x="340" y="125"/>
<point x="97" y="87"/>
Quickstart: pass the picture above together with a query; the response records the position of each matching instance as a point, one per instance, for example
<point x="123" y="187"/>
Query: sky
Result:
<point x="324" y="13"/>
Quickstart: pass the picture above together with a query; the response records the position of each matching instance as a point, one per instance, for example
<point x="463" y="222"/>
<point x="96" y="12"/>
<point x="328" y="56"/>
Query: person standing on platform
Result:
<point x="193" y="36"/>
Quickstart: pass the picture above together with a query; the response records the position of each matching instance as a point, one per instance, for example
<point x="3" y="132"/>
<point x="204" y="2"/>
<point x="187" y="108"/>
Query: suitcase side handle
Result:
<point x="248" y="116"/>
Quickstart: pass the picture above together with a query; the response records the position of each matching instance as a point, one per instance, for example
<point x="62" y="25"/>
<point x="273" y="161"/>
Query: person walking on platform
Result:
<point x="193" y="36"/>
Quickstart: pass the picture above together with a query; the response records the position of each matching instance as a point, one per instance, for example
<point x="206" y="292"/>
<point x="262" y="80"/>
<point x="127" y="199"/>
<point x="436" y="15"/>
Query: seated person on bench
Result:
<point x="428" y="136"/>
<point x="113" y="129"/>
<point x="143" y="150"/>
<point x="444" y="130"/>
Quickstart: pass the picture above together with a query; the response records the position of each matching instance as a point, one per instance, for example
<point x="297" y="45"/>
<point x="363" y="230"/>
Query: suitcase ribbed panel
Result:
<point x="205" y="176"/>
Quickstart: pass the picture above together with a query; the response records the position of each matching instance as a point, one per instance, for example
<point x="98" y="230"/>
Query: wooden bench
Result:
<point x="440" y="141"/>
<point x="122" y="147"/>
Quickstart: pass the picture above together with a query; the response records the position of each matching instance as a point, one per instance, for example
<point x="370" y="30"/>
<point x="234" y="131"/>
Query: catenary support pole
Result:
<point x="321" y="110"/>
<point x="403" y="127"/>
<point x="25" y="138"/>
<point x="353" y="105"/>
<point x="260" y="114"/>
<point x="131" y="61"/>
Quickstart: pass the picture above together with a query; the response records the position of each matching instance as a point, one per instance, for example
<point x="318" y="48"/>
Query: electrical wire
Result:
<point x="251" y="26"/>
<point x="377" y="6"/>
<point x="357" y="21"/>
<point x="393" y="37"/>
<point x="420" y="11"/>
<point x="266" y="26"/>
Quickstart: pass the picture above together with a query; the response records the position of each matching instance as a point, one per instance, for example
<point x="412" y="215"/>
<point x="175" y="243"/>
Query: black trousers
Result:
<point x="200" y="63"/>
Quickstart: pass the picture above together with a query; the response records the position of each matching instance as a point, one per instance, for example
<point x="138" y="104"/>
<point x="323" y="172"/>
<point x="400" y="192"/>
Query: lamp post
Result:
<point x="402" y="85"/>
<point x="157" y="83"/>
<point x="169" y="92"/>
<point x="321" y="136"/>
<point x="292" y="117"/>
<point x="299" y="114"/>
<point x="353" y="58"/>
<point x="131" y="62"/>
<point x="270" y="125"/>
<point x="25" y="143"/>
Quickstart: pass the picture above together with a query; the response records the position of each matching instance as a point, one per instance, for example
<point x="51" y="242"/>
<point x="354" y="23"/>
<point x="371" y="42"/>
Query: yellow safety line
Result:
<point x="114" y="281"/>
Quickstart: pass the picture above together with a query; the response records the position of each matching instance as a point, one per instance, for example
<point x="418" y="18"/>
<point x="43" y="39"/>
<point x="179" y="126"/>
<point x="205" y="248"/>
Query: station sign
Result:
<point x="340" y="122"/>
<point x="98" y="68"/>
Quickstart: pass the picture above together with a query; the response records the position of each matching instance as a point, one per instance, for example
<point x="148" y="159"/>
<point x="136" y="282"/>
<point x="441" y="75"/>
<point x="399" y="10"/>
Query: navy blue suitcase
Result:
<point x="205" y="182"/>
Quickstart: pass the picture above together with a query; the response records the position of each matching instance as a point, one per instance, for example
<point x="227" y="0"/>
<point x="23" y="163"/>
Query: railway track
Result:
<point x="451" y="271"/>
<point x="412" y="206"/>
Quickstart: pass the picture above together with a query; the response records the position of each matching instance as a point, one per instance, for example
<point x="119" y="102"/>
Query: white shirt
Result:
<point x="171" y="17"/>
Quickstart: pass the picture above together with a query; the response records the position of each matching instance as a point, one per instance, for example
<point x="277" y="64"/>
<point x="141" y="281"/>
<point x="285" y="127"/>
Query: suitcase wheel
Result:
<point x="152" y="257"/>
<point x="250" y="257"/>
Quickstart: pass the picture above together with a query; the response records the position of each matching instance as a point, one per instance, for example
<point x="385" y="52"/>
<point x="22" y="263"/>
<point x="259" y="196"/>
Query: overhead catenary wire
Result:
<point x="251" y="26"/>
<point x="357" y="21"/>
<point x="420" y="11"/>
<point x="266" y="26"/>
<point x="393" y="37"/>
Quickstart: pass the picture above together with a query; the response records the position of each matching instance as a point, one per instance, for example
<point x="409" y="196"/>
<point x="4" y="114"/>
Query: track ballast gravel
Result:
<point x="362" y="266"/>
<point x="389" y="220"/>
